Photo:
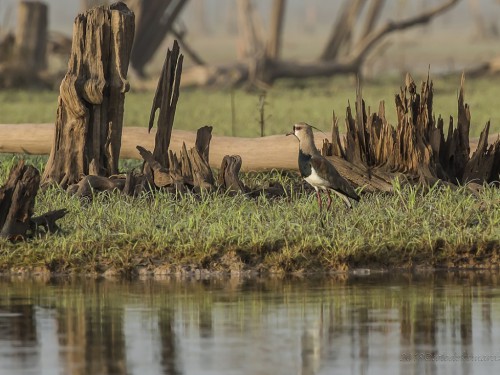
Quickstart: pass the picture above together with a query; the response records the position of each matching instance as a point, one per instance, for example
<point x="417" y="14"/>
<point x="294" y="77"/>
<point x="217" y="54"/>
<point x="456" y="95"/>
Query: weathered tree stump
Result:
<point x="91" y="103"/>
<point x="17" y="202"/>
<point x="417" y="148"/>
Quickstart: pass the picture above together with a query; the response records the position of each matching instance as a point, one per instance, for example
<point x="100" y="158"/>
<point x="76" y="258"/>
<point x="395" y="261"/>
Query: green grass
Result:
<point x="288" y="102"/>
<point x="442" y="227"/>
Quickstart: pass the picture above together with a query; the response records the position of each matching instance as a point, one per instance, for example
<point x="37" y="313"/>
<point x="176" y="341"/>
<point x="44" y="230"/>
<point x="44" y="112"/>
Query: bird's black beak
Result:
<point x="291" y="133"/>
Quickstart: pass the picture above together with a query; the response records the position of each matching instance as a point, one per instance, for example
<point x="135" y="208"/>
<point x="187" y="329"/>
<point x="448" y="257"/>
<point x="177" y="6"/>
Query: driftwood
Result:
<point x="90" y="110"/>
<point x="17" y="202"/>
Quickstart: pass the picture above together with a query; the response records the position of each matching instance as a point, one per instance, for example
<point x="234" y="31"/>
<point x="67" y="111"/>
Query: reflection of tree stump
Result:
<point x="91" y="102"/>
<point x="17" y="200"/>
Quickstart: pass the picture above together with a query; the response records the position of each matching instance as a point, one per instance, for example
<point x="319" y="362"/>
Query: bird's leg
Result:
<point x="319" y="199"/>
<point x="329" y="199"/>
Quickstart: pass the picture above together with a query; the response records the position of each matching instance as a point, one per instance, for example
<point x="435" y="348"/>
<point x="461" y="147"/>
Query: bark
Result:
<point x="90" y="110"/>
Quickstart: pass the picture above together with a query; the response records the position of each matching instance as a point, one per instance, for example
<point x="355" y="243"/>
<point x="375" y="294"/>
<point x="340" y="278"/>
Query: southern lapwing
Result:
<point x="317" y="170"/>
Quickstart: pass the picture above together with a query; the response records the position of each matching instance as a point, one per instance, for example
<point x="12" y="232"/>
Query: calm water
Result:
<point x="413" y="324"/>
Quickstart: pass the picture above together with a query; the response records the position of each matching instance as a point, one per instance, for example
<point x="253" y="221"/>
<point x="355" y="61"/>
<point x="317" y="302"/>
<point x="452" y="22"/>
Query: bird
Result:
<point x="318" y="171"/>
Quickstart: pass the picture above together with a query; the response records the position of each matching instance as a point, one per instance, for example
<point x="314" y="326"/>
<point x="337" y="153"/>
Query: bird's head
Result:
<point x="302" y="131"/>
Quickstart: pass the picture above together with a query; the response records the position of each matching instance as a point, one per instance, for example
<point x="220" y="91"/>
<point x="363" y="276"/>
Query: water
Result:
<point x="434" y="323"/>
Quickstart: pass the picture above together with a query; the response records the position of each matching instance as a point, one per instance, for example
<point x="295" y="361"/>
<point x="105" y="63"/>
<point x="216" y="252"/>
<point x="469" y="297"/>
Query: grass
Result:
<point x="287" y="102"/>
<point x="441" y="227"/>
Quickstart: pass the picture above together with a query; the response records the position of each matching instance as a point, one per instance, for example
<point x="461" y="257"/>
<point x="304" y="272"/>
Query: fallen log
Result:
<point x="258" y="154"/>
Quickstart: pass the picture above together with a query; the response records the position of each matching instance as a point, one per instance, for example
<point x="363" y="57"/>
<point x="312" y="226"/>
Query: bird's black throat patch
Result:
<point x="304" y="164"/>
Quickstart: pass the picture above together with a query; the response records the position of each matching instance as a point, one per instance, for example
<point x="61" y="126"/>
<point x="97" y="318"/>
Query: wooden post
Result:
<point x="91" y="102"/>
<point x="31" y="37"/>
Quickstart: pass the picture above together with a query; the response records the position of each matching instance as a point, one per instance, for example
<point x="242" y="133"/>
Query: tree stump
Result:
<point x="417" y="147"/>
<point x="17" y="200"/>
<point x="91" y="102"/>
<point x="31" y="37"/>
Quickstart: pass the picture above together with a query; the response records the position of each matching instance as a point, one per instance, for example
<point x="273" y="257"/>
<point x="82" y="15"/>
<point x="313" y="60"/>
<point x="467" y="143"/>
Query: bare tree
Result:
<point x="343" y="54"/>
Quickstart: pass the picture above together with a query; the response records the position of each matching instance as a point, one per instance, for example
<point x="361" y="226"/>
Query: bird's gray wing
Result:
<point x="326" y="170"/>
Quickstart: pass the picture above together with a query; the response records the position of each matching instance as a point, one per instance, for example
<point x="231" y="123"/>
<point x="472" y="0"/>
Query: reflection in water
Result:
<point x="433" y="323"/>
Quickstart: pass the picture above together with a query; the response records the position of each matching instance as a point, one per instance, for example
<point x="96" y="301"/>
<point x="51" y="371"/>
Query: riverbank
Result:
<point x="219" y="233"/>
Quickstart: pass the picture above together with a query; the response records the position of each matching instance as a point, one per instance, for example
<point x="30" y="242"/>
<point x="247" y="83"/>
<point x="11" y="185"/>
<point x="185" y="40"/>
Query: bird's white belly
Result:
<point x="316" y="181"/>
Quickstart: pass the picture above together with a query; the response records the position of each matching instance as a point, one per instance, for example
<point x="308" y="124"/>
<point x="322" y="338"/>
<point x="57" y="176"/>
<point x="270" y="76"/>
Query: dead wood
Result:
<point x="48" y="221"/>
<point x="87" y="185"/>
<point x="135" y="184"/>
<point x="90" y="110"/>
<point x="17" y="200"/>
<point x="165" y="99"/>
<point x="417" y="148"/>
<point x="228" y="177"/>
<point x="341" y="55"/>
<point x="484" y="165"/>
<point x="17" y="203"/>
<point x="161" y="177"/>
